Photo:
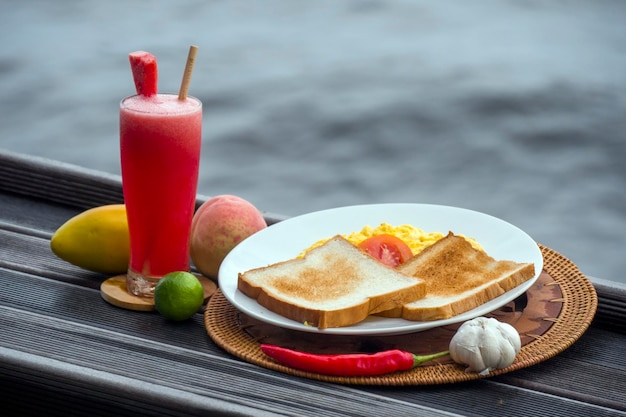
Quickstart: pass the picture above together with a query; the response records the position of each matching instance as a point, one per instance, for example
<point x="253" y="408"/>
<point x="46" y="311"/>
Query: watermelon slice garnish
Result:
<point x="145" y="74"/>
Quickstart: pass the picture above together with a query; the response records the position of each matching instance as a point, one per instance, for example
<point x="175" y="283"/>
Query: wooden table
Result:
<point x="65" y="351"/>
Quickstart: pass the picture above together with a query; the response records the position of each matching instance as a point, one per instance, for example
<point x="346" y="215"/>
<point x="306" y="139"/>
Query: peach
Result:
<point x="218" y="226"/>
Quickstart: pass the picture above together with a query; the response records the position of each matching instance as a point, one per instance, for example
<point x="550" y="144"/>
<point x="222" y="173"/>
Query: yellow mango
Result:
<point x="96" y="239"/>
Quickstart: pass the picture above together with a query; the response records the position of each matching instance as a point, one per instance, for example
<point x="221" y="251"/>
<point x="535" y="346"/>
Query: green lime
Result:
<point x="178" y="296"/>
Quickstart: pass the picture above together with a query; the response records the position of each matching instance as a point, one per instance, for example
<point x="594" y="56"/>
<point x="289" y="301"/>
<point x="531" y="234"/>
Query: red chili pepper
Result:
<point x="353" y="364"/>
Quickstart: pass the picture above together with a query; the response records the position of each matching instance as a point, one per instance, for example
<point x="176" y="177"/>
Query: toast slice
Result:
<point x="458" y="278"/>
<point x="333" y="285"/>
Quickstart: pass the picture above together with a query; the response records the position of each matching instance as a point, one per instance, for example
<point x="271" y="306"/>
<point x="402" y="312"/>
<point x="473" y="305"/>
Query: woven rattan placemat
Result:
<point x="551" y="316"/>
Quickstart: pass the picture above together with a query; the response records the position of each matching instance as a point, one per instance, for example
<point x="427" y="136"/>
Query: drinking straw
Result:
<point x="191" y="60"/>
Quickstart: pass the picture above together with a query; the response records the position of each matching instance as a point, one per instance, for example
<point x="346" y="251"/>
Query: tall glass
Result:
<point x="160" y="140"/>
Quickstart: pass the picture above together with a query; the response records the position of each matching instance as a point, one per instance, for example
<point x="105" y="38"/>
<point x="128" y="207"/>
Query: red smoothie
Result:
<point x="160" y="140"/>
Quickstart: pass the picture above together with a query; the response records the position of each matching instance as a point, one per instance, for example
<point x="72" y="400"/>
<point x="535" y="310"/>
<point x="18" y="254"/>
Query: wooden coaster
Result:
<point x="209" y="286"/>
<point x="113" y="291"/>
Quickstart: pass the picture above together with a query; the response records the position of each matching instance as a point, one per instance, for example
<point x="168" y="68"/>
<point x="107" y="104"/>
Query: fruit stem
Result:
<point x="418" y="359"/>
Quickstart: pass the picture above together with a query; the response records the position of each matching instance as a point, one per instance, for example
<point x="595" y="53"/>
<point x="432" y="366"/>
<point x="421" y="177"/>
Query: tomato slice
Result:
<point x="388" y="249"/>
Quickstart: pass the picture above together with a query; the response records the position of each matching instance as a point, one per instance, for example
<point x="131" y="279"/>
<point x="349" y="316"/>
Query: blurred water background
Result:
<point x="513" y="108"/>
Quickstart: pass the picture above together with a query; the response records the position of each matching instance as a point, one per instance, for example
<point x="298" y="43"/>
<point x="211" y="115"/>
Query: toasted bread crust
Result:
<point x="314" y="289"/>
<point x="458" y="278"/>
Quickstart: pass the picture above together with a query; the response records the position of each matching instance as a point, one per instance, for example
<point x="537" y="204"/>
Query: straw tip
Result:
<point x="191" y="59"/>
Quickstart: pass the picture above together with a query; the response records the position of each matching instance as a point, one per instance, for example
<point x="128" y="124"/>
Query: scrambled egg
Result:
<point x="417" y="239"/>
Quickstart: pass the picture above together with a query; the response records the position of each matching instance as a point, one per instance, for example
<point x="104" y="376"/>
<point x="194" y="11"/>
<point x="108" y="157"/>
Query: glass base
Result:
<point x="141" y="285"/>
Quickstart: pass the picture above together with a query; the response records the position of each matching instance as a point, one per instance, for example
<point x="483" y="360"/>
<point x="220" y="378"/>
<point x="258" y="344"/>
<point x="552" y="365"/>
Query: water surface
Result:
<point x="516" y="109"/>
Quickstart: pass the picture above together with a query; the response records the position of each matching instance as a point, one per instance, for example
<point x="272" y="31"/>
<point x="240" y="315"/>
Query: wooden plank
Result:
<point x="57" y="182"/>
<point x="26" y="180"/>
<point x="64" y="311"/>
<point x="611" y="312"/>
<point x="69" y="185"/>
<point x="63" y="346"/>
<point x="85" y="341"/>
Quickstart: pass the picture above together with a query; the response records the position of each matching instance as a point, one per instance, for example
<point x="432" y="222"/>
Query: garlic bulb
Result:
<point x="485" y="344"/>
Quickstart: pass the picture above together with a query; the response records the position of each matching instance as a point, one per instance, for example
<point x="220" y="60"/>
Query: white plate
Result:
<point x="286" y="239"/>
